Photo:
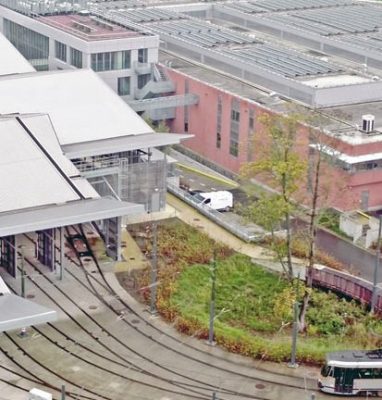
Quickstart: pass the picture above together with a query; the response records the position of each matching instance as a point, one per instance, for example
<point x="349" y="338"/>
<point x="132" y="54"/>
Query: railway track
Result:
<point x="113" y="354"/>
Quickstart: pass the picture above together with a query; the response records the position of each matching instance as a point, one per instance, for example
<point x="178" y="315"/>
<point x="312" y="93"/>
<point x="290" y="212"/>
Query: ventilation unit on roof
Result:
<point x="368" y="123"/>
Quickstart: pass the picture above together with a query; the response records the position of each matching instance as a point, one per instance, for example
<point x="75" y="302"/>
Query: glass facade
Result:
<point x="32" y="45"/>
<point x="60" y="50"/>
<point x="124" y="86"/>
<point x="75" y="58"/>
<point x="111" y="61"/>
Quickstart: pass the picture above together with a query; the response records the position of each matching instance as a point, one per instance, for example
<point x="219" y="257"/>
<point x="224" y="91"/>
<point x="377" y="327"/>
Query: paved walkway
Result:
<point x="259" y="254"/>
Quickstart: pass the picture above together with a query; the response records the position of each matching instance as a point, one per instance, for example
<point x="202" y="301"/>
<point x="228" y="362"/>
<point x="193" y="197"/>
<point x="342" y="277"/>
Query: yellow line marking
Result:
<point x="214" y="177"/>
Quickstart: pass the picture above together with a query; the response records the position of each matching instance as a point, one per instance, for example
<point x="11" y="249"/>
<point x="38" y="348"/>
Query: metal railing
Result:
<point x="214" y="215"/>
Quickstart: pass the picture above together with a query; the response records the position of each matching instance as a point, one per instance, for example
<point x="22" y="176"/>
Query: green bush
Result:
<point x="253" y="305"/>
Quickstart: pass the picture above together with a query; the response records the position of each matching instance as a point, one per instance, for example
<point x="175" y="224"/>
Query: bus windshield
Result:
<point x="325" y="370"/>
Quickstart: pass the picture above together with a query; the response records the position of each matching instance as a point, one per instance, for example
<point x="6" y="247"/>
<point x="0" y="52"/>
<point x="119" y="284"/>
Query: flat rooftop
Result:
<point x="88" y="27"/>
<point x="195" y="32"/>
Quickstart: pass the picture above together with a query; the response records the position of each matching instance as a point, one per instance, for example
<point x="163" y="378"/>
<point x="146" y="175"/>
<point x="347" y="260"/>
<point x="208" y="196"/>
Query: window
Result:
<point x="251" y="135"/>
<point x="235" y="115"/>
<point x="186" y="110"/>
<point x="114" y="60"/>
<point x="60" y="50"/>
<point x="218" y="140"/>
<point x="75" y="58"/>
<point x="143" y="56"/>
<point x="32" y="45"/>
<point x="234" y="148"/>
<point x="124" y="86"/>
<point x="219" y="123"/>
<point x="143" y="79"/>
<point x="251" y="121"/>
<point x="126" y="61"/>
<point x="235" y="128"/>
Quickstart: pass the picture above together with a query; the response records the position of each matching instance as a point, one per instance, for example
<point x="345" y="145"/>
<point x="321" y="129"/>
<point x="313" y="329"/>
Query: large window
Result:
<point x="32" y="45"/>
<point x="219" y="123"/>
<point x="60" y="50"/>
<point x="75" y="58"/>
<point x="111" y="61"/>
<point x="143" y="79"/>
<point x="251" y="135"/>
<point x="124" y="86"/>
<point x="143" y="56"/>
<point x="235" y="125"/>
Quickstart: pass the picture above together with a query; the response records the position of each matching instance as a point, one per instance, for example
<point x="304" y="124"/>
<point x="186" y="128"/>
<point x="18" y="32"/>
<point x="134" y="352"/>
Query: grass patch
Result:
<point x="253" y="305"/>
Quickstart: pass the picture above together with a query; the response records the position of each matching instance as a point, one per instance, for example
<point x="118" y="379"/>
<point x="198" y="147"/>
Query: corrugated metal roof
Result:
<point x="81" y="106"/>
<point x="17" y="313"/>
<point x="12" y="62"/>
<point x="126" y="143"/>
<point x="55" y="215"/>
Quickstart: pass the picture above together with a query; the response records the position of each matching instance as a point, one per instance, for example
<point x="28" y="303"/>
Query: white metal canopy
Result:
<point x="17" y="312"/>
<point x="126" y="143"/>
<point x="71" y="213"/>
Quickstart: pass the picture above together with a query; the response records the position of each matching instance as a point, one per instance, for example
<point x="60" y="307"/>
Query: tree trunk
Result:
<point x="312" y="246"/>
<point x="289" y="245"/>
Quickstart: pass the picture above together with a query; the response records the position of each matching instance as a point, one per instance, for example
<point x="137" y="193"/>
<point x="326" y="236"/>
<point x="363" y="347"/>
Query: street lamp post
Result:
<point x="293" y="363"/>
<point x="154" y="271"/>
<point x="212" y="304"/>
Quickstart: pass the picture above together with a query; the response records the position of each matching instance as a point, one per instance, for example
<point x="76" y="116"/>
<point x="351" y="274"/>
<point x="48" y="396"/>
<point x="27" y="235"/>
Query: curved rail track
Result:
<point x="106" y="353"/>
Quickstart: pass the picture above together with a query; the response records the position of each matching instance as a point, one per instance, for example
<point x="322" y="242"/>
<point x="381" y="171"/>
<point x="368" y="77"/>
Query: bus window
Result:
<point x="325" y="370"/>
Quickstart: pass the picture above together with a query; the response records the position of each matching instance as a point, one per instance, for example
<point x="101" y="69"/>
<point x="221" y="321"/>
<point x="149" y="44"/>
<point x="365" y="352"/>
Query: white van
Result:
<point x="221" y="200"/>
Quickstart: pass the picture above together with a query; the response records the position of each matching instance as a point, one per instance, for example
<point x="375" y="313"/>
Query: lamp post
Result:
<point x="154" y="271"/>
<point x="376" y="268"/>
<point x="212" y="304"/>
<point x="292" y="363"/>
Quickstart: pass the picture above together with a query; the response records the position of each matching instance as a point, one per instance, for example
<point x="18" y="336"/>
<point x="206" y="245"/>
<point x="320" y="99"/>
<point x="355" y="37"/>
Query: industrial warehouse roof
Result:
<point x="293" y="72"/>
<point x="11" y="61"/>
<point x="81" y="106"/>
<point x="33" y="170"/>
<point x="57" y="215"/>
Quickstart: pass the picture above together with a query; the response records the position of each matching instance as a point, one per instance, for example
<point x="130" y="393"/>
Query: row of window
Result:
<point x="109" y="61"/>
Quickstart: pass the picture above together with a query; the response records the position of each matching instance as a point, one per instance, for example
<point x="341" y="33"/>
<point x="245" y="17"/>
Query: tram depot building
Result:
<point x="68" y="103"/>
<point x="72" y="152"/>
<point x="211" y="69"/>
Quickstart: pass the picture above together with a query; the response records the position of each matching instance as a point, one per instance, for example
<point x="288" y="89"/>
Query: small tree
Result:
<point x="286" y="171"/>
<point x="282" y="168"/>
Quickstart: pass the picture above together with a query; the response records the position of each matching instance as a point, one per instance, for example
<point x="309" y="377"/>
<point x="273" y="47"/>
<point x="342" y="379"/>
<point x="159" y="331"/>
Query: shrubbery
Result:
<point x="253" y="306"/>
